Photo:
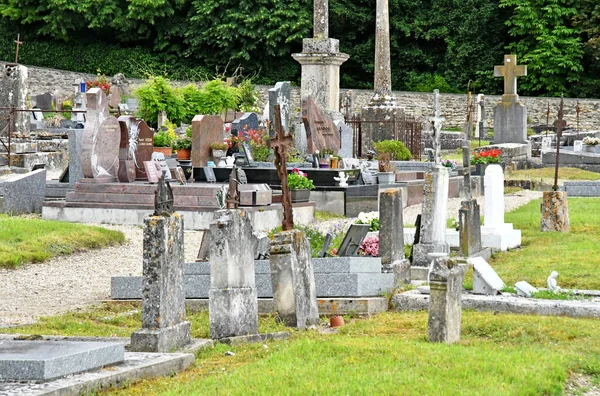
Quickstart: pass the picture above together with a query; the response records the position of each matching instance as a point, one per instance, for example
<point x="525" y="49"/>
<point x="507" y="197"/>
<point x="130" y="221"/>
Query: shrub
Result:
<point x="395" y="148"/>
<point x="156" y="96"/>
<point x="164" y="138"/>
<point x="247" y="96"/>
<point x="183" y="143"/>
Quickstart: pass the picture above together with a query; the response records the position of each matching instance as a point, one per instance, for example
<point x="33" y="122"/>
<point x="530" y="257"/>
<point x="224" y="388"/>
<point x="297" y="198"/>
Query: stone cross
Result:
<point x="467" y="148"/>
<point x="19" y="42"/>
<point x="437" y="120"/>
<point x="321" y="19"/>
<point x="510" y="71"/>
<point x="279" y="144"/>
<point x="163" y="198"/>
<point x="383" y="73"/>
<point x="559" y="125"/>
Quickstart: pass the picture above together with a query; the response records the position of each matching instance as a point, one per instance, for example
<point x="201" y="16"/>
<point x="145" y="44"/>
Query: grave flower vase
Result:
<point x="480" y="169"/>
<point x="301" y="195"/>
<point x="167" y="151"/>
<point x="591" y="149"/>
<point x="386" y="177"/>
<point x="184" y="154"/>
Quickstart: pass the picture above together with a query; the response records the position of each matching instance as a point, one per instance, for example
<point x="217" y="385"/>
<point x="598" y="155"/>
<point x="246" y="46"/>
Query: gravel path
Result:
<point x="71" y="282"/>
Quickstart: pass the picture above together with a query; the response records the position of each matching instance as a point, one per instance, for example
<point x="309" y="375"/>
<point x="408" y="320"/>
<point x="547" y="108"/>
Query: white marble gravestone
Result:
<point x="485" y="279"/>
<point x="577" y="146"/>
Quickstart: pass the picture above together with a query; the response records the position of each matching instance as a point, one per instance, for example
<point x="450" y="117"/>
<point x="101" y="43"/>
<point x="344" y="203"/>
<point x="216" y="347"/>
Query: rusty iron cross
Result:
<point x="559" y="125"/>
<point x="19" y="42"/>
<point x="233" y="195"/>
<point x="279" y="144"/>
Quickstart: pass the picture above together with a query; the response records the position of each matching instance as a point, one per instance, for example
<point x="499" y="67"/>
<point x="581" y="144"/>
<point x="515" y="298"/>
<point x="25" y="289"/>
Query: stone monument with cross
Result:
<point x="321" y="60"/>
<point x="510" y="116"/>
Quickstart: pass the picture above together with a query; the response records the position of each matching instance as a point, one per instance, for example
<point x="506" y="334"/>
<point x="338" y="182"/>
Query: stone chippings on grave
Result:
<point x="233" y="307"/>
<point x="280" y="95"/>
<point x="391" y="226"/>
<point x="206" y="129"/>
<point x="445" y="305"/>
<point x="101" y="139"/>
<point x="485" y="279"/>
<point x="510" y="116"/>
<point x="294" y="292"/>
<point x="321" y="132"/>
<point x="433" y="217"/>
<point x="164" y="327"/>
<point x="555" y="212"/>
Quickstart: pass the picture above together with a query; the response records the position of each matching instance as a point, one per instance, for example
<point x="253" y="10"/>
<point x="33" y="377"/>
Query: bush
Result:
<point x="395" y="148"/>
<point x="156" y="96"/>
<point x="164" y="139"/>
<point x="183" y="143"/>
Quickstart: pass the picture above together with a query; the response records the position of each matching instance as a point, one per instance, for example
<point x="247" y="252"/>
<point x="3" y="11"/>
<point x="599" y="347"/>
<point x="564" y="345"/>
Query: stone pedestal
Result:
<point x="510" y="121"/>
<point x="233" y="307"/>
<point x="321" y="61"/>
<point x="555" y="211"/>
<point x="445" y="305"/>
<point x="391" y="226"/>
<point x="294" y="292"/>
<point x="401" y="270"/>
<point x="163" y="303"/>
<point x="469" y="228"/>
<point x="433" y="217"/>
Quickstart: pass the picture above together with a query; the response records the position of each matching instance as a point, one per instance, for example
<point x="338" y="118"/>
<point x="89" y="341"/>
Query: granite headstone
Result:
<point x="321" y="132"/>
<point x="206" y="129"/>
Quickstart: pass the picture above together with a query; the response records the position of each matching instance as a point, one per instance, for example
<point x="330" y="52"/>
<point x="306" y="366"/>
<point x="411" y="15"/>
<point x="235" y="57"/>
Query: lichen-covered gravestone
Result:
<point x="445" y="305"/>
<point x="391" y="226"/>
<point x="101" y="139"/>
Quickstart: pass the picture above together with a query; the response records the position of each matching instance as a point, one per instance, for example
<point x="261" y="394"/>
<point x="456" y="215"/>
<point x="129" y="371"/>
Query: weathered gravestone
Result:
<point x="101" y="139"/>
<point x="280" y="95"/>
<point x="206" y="129"/>
<point x="43" y="101"/>
<point x="321" y="132"/>
<point x="247" y="122"/>
<point x="14" y="93"/>
<point x="164" y="327"/>
<point x="233" y="307"/>
<point x="510" y="116"/>
<point x="445" y="305"/>
<point x="391" y="226"/>
<point x="75" y="143"/>
<point x="485" y="279"/>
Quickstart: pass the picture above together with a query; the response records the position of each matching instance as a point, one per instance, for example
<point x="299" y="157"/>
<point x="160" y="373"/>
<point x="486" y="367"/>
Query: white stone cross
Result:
<point x="437" y="121"/>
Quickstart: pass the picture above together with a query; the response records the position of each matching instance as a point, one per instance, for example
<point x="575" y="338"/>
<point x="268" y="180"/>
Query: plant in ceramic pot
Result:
<point x="299" y="185"/>
<point x="183" y="146"/>
<point x="219" y="150"/>
<point x="386" y="173"/>
<point x="163" y="142"/>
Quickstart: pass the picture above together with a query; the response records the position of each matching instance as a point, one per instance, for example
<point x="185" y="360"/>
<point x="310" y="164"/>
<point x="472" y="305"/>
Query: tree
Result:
<point x="547" y="43"/>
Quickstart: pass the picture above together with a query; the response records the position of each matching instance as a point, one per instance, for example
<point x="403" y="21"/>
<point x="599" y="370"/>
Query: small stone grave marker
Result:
<point x="525" y="289"/>
<point x="353" y="239"/>
<point x="163" y="167"/>
<point x="209" y="173"/>
<point x="546" y="143"/>
<point x="151" y="172"/>
<point x="485" y="279"/>
<point x="578" y="146"/>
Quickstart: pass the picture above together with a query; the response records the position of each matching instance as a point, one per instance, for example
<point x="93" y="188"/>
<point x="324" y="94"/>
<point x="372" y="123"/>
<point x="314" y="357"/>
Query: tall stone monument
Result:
<point x="510" y="116"/>
<point x="280" y="95"/>
<point x="435" y="200"/>
<point x="14" y="93"/>
<point x="382" y="106"/>
<point x="321" y="60"/>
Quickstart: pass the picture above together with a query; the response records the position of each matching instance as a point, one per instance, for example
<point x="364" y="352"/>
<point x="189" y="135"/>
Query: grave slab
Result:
<point x="46" y="360"/>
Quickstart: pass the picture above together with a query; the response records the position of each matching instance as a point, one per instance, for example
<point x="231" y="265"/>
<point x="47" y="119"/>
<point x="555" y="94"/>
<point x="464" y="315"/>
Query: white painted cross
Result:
<point x="437" y="121"/>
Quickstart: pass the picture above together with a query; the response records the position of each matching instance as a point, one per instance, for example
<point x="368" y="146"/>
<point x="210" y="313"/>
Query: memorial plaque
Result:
<point x="353" y="239"/>
<point x="150" y="171"/>
<point x="209" y="174"/>
<point x="321" y="132"/>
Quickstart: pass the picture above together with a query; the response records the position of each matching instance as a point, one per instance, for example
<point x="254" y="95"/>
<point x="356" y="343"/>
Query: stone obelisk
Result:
<point x="321" y="60"/>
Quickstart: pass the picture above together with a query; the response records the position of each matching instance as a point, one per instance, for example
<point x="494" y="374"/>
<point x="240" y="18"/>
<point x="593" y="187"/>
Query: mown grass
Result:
<point x="326" y="216"/>
<point x="546" y="175"/>
<point x="389" y="354"/>
<point x="574" y="254"/>
<point x="26" y="240"/>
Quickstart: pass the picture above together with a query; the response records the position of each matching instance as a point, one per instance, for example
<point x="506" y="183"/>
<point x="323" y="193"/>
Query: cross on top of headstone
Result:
<point x="510" y="71"/>
<point x="437" y="121"/>
<point x="321" y="19"/>
<point x="19" y="42"/>
<point x="279" y="144"/>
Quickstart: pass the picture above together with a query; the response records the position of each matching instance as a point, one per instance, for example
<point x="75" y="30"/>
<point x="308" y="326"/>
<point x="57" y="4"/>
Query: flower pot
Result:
<point x="336" y="321"/>
<point x="184" y="154"/>
<point x="591" y="149"/>
<point x="479" y="169"/>
<point x="167" y="151"/>
<point x="386" y="177"/>
<point x="219" y="157"/>
<point x="322" y="165"/>
<point x="300" y="195"/>
<point x="334" y="163"/>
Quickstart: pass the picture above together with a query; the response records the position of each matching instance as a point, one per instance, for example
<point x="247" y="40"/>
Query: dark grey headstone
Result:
<point x="353" y="239"/>
<point x="391" y="231"/>
<point x="247" y="122"/>
<point x="44" y="101"/>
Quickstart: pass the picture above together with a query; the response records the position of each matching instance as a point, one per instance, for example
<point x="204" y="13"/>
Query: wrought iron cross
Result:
<point x="163" y="198"/>
<point x="279" y="144"/>
<point x="19" y="42"/>
<point x="559" y="125"/>
<point x="467" y="147"/>
<point x="233" y="196"/>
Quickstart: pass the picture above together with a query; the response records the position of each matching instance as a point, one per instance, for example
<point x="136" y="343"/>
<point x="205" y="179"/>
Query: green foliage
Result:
<point x="395" y="148"/>
<point x="247" y="96"/>
<point x="156" y="96"/>
<point x="164" y="139"/>
<point x="428" y="82"/>
<point x="560" y="295"/>
<point x="260" y="152"/>
<point x="183" y="143"/>
<point x="299" y="182"/>
<point x="215" y="97"/>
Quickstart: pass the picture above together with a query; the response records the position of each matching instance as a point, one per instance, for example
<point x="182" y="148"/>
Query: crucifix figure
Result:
<point x="437" y="120"/>
<point x="510" y="71"/>
<point x="559" y="125"/>
<point x="233" y="196"/>
<point x="19" y="42"/>
<point x="279" y="144"/>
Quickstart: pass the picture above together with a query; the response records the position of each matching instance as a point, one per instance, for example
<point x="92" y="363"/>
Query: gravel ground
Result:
<point x="71" y="282"/>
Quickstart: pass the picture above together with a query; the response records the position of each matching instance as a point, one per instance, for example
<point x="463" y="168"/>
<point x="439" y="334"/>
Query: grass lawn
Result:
<point x="384" y="354"/>
<point x="25" y="240"/>
<point x="574" y="255"/>
<point x="547" y="174"/>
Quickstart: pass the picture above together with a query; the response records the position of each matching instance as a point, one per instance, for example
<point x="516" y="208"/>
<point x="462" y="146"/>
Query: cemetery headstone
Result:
<point x="280" y="95"/>
<point x="164" y="327"/>
<point x="247" y="122"/>
<point x="353" y="239"/>
<point x="14" y="92"/>
<point x="44" y="101"/>
<point x="510" y="116"/>
<point x="391" y="226"/>
<point x="321" y="132"/>
<point x="481" y="126"/>
<point x="150" y="171"/>
<point x="233" y="307"/>
<point x="578" y="146"/>
<point x="546" y="143"/>
<point x="445" y="305"/>
<point x="126" y="165"/>
<point x="485" y="279"/>
<point x="346" y="139"/>
<point x="524" y="289"/>
<point x="206" y="129"/>
<point x="101" y="139"/>
<point x="75" y="170"/>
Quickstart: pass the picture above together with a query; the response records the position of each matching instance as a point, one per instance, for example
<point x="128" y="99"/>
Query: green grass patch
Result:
<point x="30" y="240"/>
<point x="326" y="216"/>
<point x="546" y="175"/>
<point x="478" y="143"/>
<point x="560" y="295"/>
<point x="389" y="354"/>
<point x="512" y="190"/>
<point x="573" y="254"/>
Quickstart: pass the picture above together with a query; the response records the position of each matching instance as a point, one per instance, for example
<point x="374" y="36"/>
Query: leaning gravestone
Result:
<point x="101" y="139"/>
<point x="280" y="95"/>
<point x="485" y="279"/>
<point x="353" y="239"/>
<point x="206" y="129"/>
<point x="321" y="132"/>
<point x="14" y="92"/>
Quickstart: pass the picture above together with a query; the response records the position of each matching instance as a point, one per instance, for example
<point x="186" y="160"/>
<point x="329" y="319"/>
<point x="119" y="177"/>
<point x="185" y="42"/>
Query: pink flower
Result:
<point x="370" y="247"/>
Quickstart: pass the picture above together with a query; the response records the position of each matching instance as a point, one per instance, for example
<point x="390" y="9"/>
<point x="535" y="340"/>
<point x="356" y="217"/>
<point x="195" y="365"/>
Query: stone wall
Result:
<point x="419" y="104"/>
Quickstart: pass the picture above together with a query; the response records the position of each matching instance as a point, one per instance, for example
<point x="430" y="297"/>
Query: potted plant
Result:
<point x="482" y="159"/>
<point x="334" y="161"/>
<point x="163" y="142"/>
<point x="591" y="144"/>
<point x="183" y="146"/>
<point x="386" y="173"/>
<point x="299" y="185"/>
<point x="219" y="149"/>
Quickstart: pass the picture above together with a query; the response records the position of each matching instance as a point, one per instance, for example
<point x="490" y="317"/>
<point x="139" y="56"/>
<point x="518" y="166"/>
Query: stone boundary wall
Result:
<point x="419" y="104"/>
